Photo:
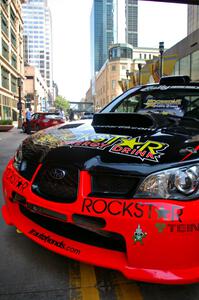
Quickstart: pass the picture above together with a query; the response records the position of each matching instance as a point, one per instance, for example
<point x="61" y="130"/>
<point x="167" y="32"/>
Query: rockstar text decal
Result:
<point x="132" y="209"/>
<point x="16" y="181"/>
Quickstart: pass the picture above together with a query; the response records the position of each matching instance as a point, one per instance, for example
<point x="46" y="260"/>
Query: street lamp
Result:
<point x="139" y="73"/>
<point x="161" y="50"/>
<point x="19" y="104"/>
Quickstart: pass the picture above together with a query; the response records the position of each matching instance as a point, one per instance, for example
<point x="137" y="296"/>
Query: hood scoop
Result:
<point x="127" y="122"/>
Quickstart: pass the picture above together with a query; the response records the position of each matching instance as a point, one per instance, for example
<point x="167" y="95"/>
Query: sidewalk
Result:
<point x="14" y="135"/>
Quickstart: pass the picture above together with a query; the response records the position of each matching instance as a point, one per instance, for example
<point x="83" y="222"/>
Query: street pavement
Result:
<point x="30" y="272"/>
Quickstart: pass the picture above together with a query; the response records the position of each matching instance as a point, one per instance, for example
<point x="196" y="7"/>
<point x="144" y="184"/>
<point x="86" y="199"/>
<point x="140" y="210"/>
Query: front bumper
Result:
<point x="160" y="237"/>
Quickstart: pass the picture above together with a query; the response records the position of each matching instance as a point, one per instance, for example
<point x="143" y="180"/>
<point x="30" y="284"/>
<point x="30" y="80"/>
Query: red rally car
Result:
<point x="121" y="192"/>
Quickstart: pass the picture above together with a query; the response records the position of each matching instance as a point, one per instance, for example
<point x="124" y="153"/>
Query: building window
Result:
<point x="195" y="65"/>
<point x="4" y="24"/>
<point x="5" y="4"/>
<point x="5" y="78"/>
<point x="5" y="50"/>
<point x="14" y="60"/>
<point x="13" y="38"/>
<point x="13" y="84"/>
<point x="113" y="68"/>
<point x="185" y="65"/>
<point x="12" y="16"/>
<point x="113" y="84"/>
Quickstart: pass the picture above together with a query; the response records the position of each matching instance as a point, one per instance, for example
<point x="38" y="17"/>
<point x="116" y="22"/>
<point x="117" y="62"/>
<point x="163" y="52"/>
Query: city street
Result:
<point x="29" y="271"/>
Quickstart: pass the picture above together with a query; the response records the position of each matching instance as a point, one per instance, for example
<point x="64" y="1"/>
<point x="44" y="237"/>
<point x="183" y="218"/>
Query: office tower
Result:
<point x="192" y="18"/>
<point x="38" y="38"/>
<point x="112" y="21"/>
<point x="131" y="14"/>
<point x="102" y="31"/>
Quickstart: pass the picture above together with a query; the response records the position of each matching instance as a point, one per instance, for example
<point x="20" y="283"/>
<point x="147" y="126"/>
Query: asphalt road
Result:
<point x="30" y="272"/>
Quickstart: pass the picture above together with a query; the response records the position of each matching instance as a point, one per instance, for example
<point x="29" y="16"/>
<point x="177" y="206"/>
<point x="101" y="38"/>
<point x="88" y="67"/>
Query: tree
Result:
<point x="62" y="104"/>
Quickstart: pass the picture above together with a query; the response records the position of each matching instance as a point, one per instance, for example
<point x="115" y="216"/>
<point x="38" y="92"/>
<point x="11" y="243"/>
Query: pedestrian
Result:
<point x="62" y="114"/>
<point x="28" y="119"/>
<point x="71" y="115"/>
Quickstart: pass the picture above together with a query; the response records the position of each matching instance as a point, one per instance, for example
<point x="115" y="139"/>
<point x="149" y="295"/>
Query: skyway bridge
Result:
<point x="81" y="107"/>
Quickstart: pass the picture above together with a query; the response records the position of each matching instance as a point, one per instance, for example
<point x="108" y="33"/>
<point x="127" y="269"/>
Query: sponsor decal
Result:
<point x="177" y="228"/>
<point x="144" y="150"/>
<point x="139" y="235"/>
<point x="165" y="87"/>
<point x="47" y="239"/>
<point x="191" y="151"/>
<point x="160" y="227"/>
<point x="132" y="209"/>
<point x="154" y="103"/>
<point x="15" y="180"/>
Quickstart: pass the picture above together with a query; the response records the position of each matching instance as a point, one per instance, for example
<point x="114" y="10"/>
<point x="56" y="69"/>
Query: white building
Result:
<point x="38" y="39"/>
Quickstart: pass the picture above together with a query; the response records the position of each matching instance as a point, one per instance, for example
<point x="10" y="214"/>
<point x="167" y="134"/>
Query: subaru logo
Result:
<point x="57" y="173"/>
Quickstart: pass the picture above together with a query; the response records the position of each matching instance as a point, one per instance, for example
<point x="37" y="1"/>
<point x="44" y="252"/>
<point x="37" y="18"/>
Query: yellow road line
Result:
<point x="74" y="281"/>
<point x="88" y="283"/>
<point x="126" y="289"/>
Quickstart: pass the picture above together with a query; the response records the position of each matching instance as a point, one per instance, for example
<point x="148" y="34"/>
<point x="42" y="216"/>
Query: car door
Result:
<point x="34" y="121"/>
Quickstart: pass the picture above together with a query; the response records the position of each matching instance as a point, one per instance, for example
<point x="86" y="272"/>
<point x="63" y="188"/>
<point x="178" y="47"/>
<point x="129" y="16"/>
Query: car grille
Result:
<point x="113" y="185"/>
<point x="57" y="188"/>
<point x="103" y="239"/>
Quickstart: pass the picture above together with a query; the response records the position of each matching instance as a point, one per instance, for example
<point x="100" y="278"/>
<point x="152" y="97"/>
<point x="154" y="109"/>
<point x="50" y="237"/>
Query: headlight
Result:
<point x="18" y="157"/>
<point x="179" y="183"/>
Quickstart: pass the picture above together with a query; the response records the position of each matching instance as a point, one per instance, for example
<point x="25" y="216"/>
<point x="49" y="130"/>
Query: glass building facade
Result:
<point x="105" y="22"/>
<point x="38" y="38"/>
<point x="102" y="31"/>
<point x="193" y="18"/>
<point x="131" y="30"/>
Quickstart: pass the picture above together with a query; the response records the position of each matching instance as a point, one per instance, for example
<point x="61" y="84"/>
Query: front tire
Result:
<point x="37" y="127"/>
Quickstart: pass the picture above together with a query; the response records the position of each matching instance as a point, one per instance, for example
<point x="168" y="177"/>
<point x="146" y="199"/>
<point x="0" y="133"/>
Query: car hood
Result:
<point x="87" y="145"/>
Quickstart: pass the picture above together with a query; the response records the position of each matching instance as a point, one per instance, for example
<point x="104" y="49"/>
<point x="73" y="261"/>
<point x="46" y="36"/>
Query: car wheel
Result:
<point x="37" y="127"/>
<point x="23" y="128"/>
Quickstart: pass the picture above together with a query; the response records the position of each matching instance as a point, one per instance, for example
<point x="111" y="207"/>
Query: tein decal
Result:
<point x="47" y="239"/>
<point x="132" y="209"/>
<point x="180" y="228"/>
<point x="146" y="150"/>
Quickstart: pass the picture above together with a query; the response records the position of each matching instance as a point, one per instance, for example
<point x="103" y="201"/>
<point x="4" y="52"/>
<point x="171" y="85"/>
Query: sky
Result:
<point x="71" y="38"/>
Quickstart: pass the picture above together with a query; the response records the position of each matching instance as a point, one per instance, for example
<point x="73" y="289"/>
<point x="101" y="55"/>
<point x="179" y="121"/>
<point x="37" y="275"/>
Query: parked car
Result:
<point x="120" y="191"/>
<point x="42" y="120"/>
<point x="86" y="115"/>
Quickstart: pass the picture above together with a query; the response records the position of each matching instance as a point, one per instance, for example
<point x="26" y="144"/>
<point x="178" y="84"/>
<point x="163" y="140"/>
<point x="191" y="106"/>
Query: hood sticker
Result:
<point x="145" y="150"/>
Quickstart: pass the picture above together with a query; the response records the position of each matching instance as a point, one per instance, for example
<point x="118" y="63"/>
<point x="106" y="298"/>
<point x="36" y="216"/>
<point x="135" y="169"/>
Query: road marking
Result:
<point x="83" y="284"/>
<point x="74" y="281"/>
<point x="126" y="289"/>
<point x="88" y="283"/>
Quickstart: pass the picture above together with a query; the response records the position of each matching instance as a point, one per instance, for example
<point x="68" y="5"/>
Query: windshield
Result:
<point x="171" y="101"/>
